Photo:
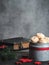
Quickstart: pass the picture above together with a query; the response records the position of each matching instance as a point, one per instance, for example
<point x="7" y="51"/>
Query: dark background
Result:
<point x="23" y="18"/>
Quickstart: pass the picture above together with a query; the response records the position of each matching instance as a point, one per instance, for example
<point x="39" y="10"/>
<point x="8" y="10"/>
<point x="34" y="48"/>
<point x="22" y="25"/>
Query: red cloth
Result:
<point x="3" y="46"/>
<point x="37" y="63"/>
<point x="25" y="60"/>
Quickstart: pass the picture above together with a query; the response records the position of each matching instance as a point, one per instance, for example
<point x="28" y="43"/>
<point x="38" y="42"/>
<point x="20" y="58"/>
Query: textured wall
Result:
<point x="23" y="18"/>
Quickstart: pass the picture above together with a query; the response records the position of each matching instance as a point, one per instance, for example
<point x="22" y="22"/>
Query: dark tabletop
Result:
<point x="12" y="62"/>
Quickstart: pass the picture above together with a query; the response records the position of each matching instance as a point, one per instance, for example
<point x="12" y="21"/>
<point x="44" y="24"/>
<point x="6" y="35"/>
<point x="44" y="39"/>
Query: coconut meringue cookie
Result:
<point x="34" y="39"/>
<point x="40" y="38"/>
<point x="40" y="35"/>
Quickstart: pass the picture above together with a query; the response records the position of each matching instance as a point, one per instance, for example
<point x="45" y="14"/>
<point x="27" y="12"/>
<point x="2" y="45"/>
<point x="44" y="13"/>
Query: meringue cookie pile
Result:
<point x="40" y="38"/>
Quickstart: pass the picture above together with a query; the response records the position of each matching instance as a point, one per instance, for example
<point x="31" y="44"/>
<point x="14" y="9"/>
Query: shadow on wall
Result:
<point x="2" y="6"/>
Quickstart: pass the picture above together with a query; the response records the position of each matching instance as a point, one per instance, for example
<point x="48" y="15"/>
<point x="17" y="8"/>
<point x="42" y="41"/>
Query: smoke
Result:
<point x="23" y="18"/>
